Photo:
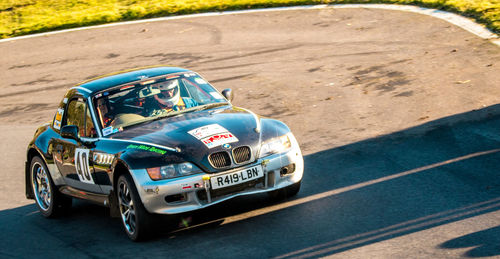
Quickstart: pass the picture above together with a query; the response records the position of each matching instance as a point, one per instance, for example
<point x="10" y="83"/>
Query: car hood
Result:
<point x="190" y="137"/>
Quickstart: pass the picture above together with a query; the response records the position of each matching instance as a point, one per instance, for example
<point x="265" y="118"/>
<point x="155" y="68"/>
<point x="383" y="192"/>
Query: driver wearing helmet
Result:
<point x="169" y="99"/>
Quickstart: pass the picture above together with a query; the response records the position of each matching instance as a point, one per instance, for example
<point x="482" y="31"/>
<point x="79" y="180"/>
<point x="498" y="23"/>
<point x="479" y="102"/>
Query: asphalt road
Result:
<point x="397" y="114"/>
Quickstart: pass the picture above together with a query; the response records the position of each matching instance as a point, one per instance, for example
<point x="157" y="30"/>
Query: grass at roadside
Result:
<point x="21" y="17"/>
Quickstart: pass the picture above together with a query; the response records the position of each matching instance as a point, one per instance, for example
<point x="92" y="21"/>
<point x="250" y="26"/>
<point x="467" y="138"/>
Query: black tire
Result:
<point x="48" y="199"/>
<point x="136" y="221"/>
<point x="286" y="192"/>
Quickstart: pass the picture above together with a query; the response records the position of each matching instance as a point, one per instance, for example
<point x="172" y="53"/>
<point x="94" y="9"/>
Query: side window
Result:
<point x="90" y="131"/>
<point x="78" y="114"/>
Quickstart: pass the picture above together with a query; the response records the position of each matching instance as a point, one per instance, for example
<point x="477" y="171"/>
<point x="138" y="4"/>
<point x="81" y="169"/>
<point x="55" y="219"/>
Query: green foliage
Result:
<point x="21" y="17"/>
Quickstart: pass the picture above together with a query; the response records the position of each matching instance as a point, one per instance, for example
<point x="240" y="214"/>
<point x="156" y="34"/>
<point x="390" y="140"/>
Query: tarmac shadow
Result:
<point x="483" y="243"/>
<point x="352" y="196"/>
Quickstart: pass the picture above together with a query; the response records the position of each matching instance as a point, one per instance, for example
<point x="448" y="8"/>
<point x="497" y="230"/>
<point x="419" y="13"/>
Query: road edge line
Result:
<point x="455" y="19"/>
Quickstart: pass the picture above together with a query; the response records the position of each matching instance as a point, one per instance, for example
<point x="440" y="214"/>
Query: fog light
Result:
<point x="176" y="198"/>
<point x="289" y="169"/>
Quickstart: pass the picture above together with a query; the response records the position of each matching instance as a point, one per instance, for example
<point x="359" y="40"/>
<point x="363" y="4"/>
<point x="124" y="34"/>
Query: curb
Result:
<point x="455" y="19"/>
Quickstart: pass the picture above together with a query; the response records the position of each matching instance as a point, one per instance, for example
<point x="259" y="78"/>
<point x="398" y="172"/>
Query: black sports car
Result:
<point x="158" y="140"/>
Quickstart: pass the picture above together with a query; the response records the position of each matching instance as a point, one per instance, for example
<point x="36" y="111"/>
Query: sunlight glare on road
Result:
<point x="319" y="196"/>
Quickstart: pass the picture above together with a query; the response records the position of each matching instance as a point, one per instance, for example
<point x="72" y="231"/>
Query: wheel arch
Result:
<point x="32" y="152"/>
<point x="121" y="168"/>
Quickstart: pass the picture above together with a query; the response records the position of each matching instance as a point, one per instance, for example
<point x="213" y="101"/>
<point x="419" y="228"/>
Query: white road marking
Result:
<point x="327" y="194"/>
<point x="464" y="211"/>
<point x="460" y="21"/>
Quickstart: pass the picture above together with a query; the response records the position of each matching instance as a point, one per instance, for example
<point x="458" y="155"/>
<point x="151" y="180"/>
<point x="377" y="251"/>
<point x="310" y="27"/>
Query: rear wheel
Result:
<point x="136" y="220"/>
<point x="49" y="200"/>
<point x="286" y="192"/>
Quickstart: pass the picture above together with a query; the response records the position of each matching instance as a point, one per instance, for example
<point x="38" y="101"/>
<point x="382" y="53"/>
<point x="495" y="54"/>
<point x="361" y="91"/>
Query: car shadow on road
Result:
<point x="482" y="243"/>
<point x="378" y="189"/>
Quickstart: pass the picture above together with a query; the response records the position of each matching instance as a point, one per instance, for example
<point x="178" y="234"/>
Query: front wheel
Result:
<point x="136" y="220"/>
<point x="49" y="200"/>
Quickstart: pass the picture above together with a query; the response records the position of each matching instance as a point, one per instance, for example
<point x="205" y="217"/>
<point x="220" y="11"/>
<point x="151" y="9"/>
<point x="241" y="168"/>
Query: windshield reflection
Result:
<point x="131" y="104"/>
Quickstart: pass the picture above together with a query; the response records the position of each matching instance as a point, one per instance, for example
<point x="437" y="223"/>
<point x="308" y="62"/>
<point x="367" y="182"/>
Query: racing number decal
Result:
<point x="82" y="165"/>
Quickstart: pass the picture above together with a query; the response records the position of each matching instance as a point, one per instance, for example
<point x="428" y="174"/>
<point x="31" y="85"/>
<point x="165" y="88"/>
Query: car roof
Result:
<point x="107" y="81"/>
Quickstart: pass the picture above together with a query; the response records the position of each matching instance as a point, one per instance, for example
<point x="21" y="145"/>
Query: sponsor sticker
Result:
<point x="213" y="135"/>
<point x="200" y="81"/>
<point x="148" y="82"/>
<point x="186" y="186"/>
<point x="107" y="131"/>
<point x="57" y="121"/>
<point x="206" y="131"/>
<point x="126" y="87"/>
<point x="147" y="148"/>
<point x="218" y="140"/>
<point x="216" y="95"/>
<point x="172" y="77"/>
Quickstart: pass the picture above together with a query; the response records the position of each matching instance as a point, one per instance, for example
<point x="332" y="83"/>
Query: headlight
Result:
<point x="275" y="146"/>
<point x="172" y="171"/>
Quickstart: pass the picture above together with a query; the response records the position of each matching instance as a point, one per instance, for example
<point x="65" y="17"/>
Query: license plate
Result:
<point x="229" y="179"/>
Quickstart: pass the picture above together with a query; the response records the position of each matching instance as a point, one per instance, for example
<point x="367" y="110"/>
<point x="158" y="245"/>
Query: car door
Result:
<point x="73" y="158"/>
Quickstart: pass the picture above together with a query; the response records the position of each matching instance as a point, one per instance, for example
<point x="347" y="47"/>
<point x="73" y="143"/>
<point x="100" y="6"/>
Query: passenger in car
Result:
<point x="105" y="115"/>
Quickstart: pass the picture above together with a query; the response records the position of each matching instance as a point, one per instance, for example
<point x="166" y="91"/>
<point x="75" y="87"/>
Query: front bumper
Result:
<point x="178" y="195"/>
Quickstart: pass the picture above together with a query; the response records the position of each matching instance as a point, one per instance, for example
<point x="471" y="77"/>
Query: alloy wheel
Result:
<point x="41" y="186"/>
<point x="127" y="209"/>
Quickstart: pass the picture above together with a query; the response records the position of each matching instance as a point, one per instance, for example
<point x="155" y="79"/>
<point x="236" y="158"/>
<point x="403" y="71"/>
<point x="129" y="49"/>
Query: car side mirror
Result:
<point x="70" y="131"/>
<point x="228" y="94"/>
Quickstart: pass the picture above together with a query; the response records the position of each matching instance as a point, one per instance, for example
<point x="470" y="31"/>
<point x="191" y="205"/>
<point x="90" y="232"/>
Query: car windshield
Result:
<point x="120" y="107"/>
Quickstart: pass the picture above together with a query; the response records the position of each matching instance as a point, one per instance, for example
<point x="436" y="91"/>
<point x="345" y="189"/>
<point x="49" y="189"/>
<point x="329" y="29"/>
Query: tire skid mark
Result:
<point x="357" y="54"/>
<point x="184" y="58"/>
<point x="215" y="32"/>
<point x="64" y="61"/>
<point x="230" y="78"/>
<point x="381" y="79"/>
<point x="22" y="108"/>
<point x="54" y="87"/>
<point x="267" y="51"/>
<point x="43" y="79"/>
<point x="234" y="66"/>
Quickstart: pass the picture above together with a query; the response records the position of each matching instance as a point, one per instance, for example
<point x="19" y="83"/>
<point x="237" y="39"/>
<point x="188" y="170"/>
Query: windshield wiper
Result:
<point x="167" y="114"/>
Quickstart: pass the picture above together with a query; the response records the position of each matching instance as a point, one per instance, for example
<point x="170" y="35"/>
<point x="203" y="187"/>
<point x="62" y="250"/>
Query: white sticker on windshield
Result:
<point x="107" y="131"/>
<point x="57" y="121"/>
<point x="213" y="135"/>
<point x="200" y="81"/>
<point x="216" y="95"/>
